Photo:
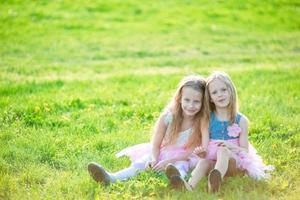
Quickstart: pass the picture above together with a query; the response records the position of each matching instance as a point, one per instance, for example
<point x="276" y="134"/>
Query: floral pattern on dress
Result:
<point x="234" y="130"/>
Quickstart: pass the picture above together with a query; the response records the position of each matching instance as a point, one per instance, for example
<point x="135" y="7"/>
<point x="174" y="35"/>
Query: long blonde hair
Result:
<point x="198" y="84"/>
<point x="233" y="103"/>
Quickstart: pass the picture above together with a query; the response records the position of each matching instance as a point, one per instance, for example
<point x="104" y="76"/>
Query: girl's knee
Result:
<point x="223" y="151"/>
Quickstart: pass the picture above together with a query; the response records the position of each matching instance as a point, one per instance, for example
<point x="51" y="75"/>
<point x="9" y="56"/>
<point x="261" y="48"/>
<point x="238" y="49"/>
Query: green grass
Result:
<point x="81" y="80"/>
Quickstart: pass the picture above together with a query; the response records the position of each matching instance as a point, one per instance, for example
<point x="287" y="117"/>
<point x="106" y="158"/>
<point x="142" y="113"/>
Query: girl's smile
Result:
<point x="191" y="101"/>
<point x="219" y="93"/>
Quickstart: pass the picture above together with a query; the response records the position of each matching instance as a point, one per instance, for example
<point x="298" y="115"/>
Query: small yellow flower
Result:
<point x="65" y="118"/>
<point x="91" y="107"/>
<point x="46" y="107"/>
<point x="152" y="194"/>
<point x="37" y="109"/>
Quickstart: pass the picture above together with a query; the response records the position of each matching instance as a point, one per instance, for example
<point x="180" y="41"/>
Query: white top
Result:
<point x="183" y="136"/>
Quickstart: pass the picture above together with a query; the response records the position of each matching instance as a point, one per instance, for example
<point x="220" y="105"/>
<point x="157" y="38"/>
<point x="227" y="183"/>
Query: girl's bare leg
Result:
<point x="223" y="156"/>
<point x="201" y="170"/>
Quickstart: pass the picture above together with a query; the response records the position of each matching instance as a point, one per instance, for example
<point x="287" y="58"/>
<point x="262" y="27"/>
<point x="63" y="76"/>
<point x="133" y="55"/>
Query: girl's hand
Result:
<point x="151" y="163"/>
<point x="161" y="166"/>
<point x="200" y="151"/>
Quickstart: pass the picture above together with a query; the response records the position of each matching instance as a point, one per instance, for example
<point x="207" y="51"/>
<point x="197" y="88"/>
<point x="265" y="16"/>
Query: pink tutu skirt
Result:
<point x="139" y="151"/>
<point x="251" y="162"/>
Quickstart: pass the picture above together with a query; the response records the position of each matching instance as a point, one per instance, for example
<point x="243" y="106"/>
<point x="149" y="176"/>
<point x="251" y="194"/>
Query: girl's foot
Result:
<point x="171" y="170"/>
<point x="179" y="183"/>
<point x="98" y="173"/>
<point x="214" y="181"/>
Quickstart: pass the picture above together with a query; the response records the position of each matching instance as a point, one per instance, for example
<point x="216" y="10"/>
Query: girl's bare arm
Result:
<point x="244" y="124"/>
<point x="159" y="133"/>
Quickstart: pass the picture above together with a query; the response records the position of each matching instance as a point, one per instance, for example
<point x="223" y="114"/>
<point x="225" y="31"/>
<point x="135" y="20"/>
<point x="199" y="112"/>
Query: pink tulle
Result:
<point x="138" y="151"/>
<point x="135" y="152"/>
<point x="251" y="162"/>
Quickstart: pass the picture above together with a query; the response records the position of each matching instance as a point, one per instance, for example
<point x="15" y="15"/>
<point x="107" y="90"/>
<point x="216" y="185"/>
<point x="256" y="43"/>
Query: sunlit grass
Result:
<point x="80" y="81"/>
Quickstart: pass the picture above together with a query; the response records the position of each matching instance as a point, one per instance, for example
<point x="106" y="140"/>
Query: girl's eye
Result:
<point x="187" y="100"/>
<point x="214" y="92"/>
<point x="223" y="89"/>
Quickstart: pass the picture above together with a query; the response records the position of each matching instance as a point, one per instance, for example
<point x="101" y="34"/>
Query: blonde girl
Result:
<point x="176" y="134"/>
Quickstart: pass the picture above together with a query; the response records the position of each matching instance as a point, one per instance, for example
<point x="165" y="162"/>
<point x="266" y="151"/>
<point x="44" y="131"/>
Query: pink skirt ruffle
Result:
<point x="140" y="150"/>
<point x="251" y="162"/>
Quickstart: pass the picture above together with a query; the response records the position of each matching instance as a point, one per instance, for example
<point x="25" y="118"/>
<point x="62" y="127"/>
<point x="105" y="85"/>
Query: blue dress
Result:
<point x="249" y="161"/>
<point x="218" y="129"/>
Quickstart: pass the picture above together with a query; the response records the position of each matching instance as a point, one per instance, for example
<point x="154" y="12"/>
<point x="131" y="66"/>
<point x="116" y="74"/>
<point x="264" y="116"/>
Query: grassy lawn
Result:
<point x="81" y="80"/>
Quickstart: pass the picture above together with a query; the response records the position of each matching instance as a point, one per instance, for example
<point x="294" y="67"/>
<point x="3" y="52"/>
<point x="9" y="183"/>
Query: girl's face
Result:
<point x="191" y="101"/>
<point x="219" y="93"/>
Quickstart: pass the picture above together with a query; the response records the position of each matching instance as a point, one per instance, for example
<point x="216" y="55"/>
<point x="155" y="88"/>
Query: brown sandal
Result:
<point x="171" y="170"/>
<point x="179" y="183"/>
<point x="98" y="173"/>
<point x="214" y="181"/>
